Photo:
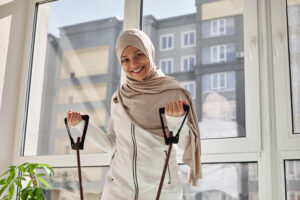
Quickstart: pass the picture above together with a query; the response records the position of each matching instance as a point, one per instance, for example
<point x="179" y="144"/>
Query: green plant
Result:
<point x="28" y="177"/>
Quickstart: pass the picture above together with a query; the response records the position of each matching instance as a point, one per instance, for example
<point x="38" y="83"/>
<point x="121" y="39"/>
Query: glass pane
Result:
<point x="228" y="181"/>
<point x="293" y="11"/>
<point x="74" y="67"/>
<point x="64" y="185"/>
<point x="218" y="30"/>
<point x="292" y="178"/>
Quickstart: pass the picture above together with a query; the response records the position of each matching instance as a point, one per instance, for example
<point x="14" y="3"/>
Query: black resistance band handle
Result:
<point x="77" y="145"/>
<point x="172" y="139"/>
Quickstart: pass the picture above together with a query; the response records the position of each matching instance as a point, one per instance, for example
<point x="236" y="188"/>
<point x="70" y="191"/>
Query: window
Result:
<point x="188" y="63"/>
<point x="188" y="39"/>
<point x="166" y="42"/>
<point x="218" y="53"/>
<point x="218" y="27"/>
<point x="73" y="75"/>
<point x="166" y="65"/>
<point x="190" y="86"/>
<point x="218" y="81"/>
<point x="292" y="179"/>
<point x="222" y="181"/>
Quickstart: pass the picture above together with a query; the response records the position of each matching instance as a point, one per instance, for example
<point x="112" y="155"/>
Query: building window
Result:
<point x="166" y="65"/>
<point x="222" y="81"/>
<point x="218" y="27"/>
<point x="218" y="54"/>
<point x="188" y="39"/>
<point x="188" y="63"/>
<point x="190" y="86"/>
<point x="166" y="42"/>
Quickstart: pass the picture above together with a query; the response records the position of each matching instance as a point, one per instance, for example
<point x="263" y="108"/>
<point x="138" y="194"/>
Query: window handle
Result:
<point x="252" y="44"/>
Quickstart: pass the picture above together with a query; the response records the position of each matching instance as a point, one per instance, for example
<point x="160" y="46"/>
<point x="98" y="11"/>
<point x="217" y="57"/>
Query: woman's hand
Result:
<point x="73" y="118"/>
<point x="175" y="109"/>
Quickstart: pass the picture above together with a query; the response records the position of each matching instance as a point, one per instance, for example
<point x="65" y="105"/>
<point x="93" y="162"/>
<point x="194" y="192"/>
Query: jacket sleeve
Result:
<point x="104" y="141"/>
<point x="174" y="125"/>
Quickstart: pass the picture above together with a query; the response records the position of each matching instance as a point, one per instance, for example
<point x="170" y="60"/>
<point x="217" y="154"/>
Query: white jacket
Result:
<point x="138" y="158"/>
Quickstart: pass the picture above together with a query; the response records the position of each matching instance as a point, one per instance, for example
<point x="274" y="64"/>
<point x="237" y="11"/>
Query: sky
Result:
<point x="68" y="12"/>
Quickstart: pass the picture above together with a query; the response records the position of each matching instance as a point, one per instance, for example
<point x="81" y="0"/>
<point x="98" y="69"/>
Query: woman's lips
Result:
<point x="138" y="70"/>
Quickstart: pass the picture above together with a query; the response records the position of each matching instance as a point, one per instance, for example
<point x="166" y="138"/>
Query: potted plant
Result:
<point x="29" y="178"/>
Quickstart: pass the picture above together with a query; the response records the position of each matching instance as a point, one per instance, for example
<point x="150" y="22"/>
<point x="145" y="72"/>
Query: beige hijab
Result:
<point x="141" y="100"/>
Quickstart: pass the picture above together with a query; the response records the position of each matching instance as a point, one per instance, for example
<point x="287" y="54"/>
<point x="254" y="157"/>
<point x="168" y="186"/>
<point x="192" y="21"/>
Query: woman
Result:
<point x="135" y="136"/>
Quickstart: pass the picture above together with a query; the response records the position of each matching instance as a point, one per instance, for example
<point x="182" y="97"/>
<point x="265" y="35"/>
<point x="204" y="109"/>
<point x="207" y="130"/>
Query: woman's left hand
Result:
<point x="175" y="109"/>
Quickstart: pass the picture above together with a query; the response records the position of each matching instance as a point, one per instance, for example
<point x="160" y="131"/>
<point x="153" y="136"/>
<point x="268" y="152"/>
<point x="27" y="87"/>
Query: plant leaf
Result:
<point x="29" y="183"/>
<point x="18" y="183"/>
<point x="46" y="166"/>
<point x="44" y="182"/>
<point x="2" y="189"/>
<point x="2" y="181"/>
<point x="4" y="173"/>
<point x="10" y="177"/>
<point x="41" y="174"/>
<point x="11" y="190"/>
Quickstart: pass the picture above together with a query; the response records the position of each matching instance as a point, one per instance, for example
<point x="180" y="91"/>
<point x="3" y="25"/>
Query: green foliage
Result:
<point x="18" y="176"/>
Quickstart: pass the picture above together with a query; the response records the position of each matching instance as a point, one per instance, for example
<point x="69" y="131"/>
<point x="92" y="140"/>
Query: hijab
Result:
<point x="141" y="100"/>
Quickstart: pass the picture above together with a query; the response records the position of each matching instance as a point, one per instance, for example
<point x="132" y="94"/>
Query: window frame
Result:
<point x="189" y="39"/>
<point x="190" y="83"/>
<point x="167" y="60"/>
<point x="166" y="36"/>
<point x="228" y="150"/>
<point x="188" y="62"/>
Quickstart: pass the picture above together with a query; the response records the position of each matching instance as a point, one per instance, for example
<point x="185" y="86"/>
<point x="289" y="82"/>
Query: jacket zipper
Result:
<point x="136" y="185"/>
<point x="168" y="169"/>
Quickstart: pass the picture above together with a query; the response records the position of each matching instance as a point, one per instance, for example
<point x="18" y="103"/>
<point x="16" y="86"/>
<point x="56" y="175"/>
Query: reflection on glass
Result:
<point x="228" y="181"/>
<point x="64" y="185"/>
<point x="292" y="179"/>
<point x="74" y="67"/>
<point x="293" y="11"/>
<point x="202" y="46"/>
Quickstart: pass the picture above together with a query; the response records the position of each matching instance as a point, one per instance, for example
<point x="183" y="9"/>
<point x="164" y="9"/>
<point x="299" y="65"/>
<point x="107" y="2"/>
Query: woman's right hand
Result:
<point x="73" y="118"/>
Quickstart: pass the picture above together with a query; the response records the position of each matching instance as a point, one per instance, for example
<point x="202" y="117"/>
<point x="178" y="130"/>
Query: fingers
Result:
<point x="175" y="108"/>
<point x="73" y="118"/>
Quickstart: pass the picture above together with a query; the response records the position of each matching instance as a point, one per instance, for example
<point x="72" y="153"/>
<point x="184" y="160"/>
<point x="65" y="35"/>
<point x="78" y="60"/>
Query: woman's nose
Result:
<point x="134" y="63"/>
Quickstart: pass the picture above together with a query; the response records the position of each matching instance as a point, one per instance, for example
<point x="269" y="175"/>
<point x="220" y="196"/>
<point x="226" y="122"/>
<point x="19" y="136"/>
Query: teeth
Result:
<point x="138" y="70"/>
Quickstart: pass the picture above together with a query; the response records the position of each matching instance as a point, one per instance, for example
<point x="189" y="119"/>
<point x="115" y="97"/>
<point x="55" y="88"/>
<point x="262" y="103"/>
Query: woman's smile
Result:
<point x="135" y="63"/>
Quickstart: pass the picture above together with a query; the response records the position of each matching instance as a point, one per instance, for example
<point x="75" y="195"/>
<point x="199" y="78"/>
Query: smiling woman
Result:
<point x="135" y="63"/>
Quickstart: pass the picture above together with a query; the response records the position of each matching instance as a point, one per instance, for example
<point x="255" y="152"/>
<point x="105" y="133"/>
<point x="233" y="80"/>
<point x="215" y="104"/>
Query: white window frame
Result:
<point x="288" y="144"/>
<point x="218" y="49"/>
<point x="258" y="146"/>
<point x="189" y="39"/>
<point x="188" y="62"/>
<point x="166" y="36"/>
<point x="167" y="60"/>
<point x="216" y="33"/>
<point x="219" y="88"/>
<point x="190" y="83"/>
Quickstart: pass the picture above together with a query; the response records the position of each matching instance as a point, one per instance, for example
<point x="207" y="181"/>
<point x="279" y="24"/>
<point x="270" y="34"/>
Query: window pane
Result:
<point x="169" y="66"/>
<point x="75" y="68"/>
<point x="226" y="108"/>
<point x="170" y="45"/>
<point x="164" y="42"/>
<point x="228" y="181"/>
<point x="292" y="178"/>
<point x="186" y="38"/>
<point x="64" y="185"/>
<point x="294" y="52"/>
<point x="192" y="38"/>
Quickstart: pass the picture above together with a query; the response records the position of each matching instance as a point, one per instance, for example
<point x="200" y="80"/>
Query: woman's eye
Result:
<point x="124" y="60"/>
<point x="139" y="55"/>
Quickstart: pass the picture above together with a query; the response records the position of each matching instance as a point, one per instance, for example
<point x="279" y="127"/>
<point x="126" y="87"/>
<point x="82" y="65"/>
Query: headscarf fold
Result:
<point x="141" y="100"/>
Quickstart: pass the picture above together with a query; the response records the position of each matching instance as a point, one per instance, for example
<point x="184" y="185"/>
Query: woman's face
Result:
<point x="135" y="63"/>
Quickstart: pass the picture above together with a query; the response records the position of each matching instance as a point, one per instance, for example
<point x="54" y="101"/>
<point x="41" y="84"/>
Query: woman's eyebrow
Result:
<point x="133" y="53"/>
